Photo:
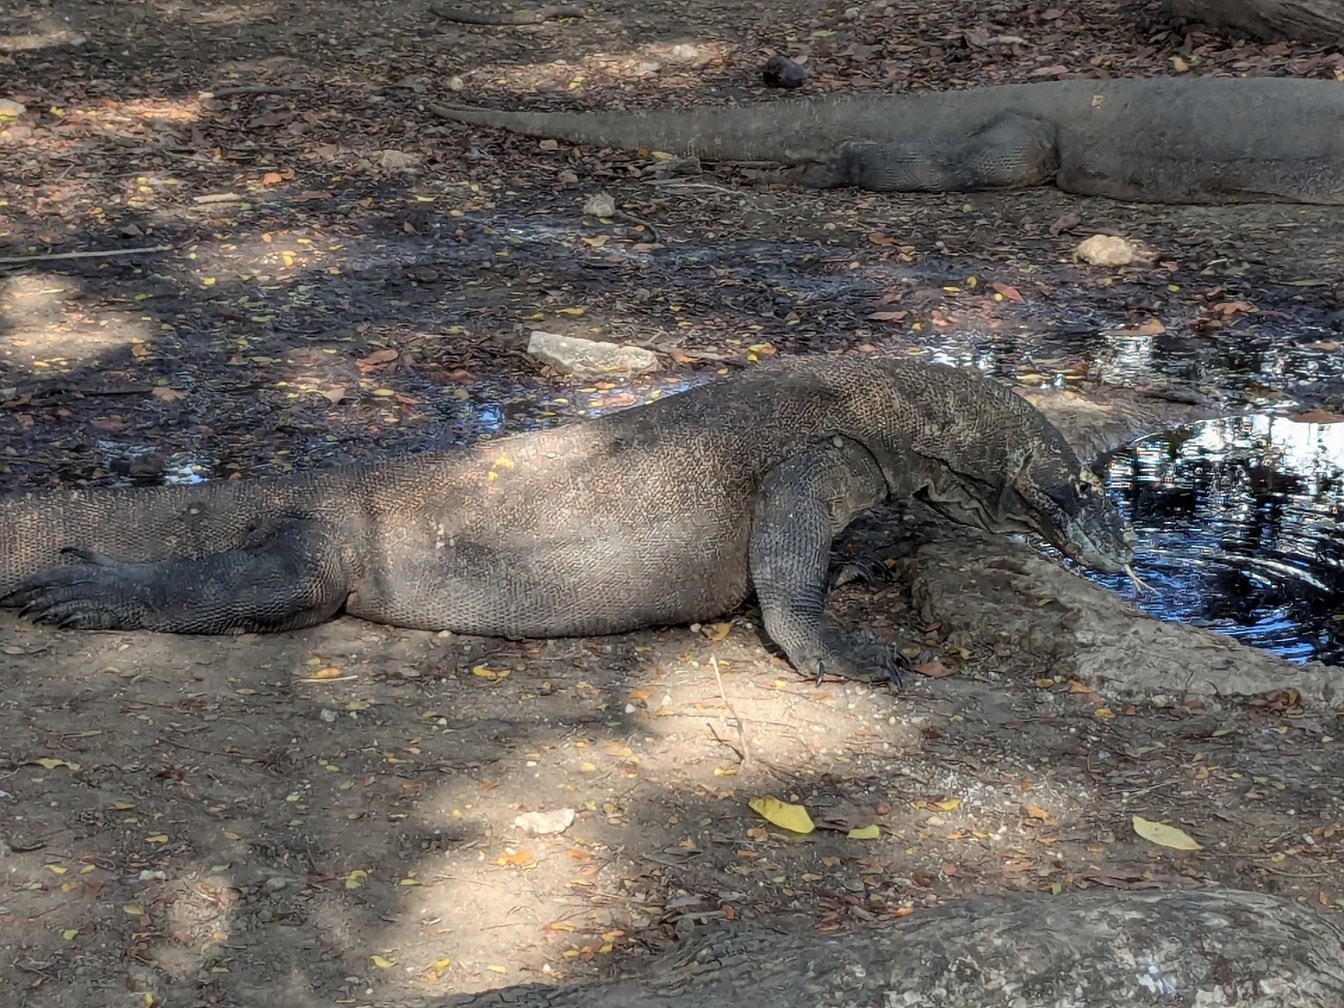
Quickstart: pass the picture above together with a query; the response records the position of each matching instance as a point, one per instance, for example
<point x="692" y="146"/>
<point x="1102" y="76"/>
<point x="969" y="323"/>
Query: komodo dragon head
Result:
<point x="1053" y="496"/>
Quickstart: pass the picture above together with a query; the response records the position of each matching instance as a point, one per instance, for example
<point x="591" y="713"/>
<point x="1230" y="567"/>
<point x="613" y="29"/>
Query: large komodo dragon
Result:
<point x="665" y="513"/>
<point x="1171" y="140"/>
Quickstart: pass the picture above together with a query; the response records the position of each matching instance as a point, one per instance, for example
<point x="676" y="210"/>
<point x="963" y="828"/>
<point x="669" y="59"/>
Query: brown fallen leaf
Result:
<point x="933" y="669"/>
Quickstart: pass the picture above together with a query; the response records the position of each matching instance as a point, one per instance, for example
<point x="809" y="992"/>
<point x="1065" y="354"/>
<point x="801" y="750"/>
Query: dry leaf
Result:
<point x="1164" y="835"/>
<point x="782" y="814"/>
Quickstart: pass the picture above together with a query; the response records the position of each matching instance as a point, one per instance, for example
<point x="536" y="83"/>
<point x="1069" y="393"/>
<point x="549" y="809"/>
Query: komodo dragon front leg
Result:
<point x="294" y="572"/>
<point x="802" y="505"/>
<point x="1012" y="151"/>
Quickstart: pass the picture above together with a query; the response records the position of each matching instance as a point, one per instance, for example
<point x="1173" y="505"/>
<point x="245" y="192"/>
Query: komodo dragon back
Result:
<point x="1168" y="140"/>
<point x="664" y="513"/>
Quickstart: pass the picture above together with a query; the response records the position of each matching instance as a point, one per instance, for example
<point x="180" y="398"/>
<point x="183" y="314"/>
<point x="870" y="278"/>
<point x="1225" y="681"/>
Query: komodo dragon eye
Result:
<point x="1076" y="493"/>
<point x="1087" y="484"/>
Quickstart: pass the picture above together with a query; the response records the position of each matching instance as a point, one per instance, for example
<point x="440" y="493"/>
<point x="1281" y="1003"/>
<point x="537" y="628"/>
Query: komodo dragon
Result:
<point x="660" y="514"/>
<point x="1171" y="140"/>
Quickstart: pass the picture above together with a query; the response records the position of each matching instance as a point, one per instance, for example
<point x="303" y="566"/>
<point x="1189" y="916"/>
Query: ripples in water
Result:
<point x="1241" y="530"/>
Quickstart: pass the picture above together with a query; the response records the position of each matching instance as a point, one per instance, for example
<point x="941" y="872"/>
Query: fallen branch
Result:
<point x="1101" y="949"/>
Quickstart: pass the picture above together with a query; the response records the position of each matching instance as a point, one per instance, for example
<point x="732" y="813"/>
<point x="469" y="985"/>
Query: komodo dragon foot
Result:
<point x="852" y="654"/>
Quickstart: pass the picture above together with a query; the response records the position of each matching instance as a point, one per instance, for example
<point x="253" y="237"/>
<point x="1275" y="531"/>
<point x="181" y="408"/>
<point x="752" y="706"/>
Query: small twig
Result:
<point x="101" y="254"/>
<point x="744" y="753"/>
<point x="629" y="218"/>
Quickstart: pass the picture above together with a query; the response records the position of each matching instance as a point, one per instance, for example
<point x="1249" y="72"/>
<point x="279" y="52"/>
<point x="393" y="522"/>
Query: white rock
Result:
<point x="573" y="355"/>
<point x="554" y="821"/>
<point x="1112" y="250"/>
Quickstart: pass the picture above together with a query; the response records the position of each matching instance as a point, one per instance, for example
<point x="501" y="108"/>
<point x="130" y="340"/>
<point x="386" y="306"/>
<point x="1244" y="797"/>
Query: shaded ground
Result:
<point x="326" y="816"/>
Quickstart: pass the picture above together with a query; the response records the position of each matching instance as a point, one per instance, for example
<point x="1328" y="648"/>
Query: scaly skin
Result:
<point x="665" y="513"/>
<point x="1169" y="140"/>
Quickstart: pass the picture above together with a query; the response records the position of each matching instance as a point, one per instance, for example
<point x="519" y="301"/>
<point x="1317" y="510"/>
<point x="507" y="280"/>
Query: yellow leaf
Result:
<point x="133" y="909"/>
<point x="56" y="869"/>
<point x="1180" y="65"/>
<point x="356" y="878"/>
<point x="70" y="934"/>
<point x="947" y="804"/>
<point x="865" y="832"/>
<point x="381" y="963"/>
<point x="47" y="763"/>
<point x="439" y="965"/>
<point x="716" y="631"/>
<point x="569" y="311"/>
<point x="157" y="838"/>
<point x="1164" y="835"/>
<point x="782" y="814"/>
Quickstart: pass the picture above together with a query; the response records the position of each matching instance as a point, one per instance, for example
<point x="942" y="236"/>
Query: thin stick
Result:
<point x="107" y="254"/>
<point x="745" y="752"/>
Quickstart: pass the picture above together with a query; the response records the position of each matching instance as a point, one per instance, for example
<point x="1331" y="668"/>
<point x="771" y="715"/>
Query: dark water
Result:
<point x="1241" y="530"/>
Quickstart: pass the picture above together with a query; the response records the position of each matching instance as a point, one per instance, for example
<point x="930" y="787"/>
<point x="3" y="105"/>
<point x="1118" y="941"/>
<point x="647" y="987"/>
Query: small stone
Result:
<point x="554" y="821"/>
<point x="782" y="72"/>
<point x="573" y="355"/>
<point x="1112" y="250"/>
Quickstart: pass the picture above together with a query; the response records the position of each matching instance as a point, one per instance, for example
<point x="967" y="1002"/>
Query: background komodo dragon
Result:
<point x="1172" y="140"/>
<point x="660" y="514"/>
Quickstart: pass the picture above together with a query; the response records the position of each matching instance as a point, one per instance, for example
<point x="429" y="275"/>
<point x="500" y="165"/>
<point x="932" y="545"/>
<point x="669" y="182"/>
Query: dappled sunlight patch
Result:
<point x="676" y="66"/>
<point x="47" y="328"/>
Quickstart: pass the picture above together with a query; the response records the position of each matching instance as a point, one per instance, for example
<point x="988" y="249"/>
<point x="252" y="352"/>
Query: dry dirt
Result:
<point x="328" y="817"/>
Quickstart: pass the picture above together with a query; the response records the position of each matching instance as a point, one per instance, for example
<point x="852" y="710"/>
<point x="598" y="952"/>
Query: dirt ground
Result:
<point x="326" y="272"/>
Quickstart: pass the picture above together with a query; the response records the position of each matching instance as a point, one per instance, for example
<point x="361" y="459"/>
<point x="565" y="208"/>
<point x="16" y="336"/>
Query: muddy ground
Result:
<point x="329" y="816"/>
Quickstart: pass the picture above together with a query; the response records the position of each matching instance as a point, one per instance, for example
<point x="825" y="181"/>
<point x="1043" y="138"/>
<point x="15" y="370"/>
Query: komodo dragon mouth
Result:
<point x="1042" y="503"/>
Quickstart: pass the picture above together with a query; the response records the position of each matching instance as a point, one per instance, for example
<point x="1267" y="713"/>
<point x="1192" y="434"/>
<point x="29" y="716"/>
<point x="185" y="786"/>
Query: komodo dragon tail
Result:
<point x="718" y="133"/>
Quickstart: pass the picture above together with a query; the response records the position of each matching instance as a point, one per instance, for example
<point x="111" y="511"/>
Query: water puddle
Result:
<point x="1241" y="530"/>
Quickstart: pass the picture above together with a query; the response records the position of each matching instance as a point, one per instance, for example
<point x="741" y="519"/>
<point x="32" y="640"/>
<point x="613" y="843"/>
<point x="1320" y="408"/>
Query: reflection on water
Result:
<point x="1241" y="530"/>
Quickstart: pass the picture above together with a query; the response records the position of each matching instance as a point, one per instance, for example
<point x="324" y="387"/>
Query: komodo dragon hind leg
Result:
<point x="1010" y="152"/>
<point x="290" y="574"/>
<point x="802" y="505"/>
